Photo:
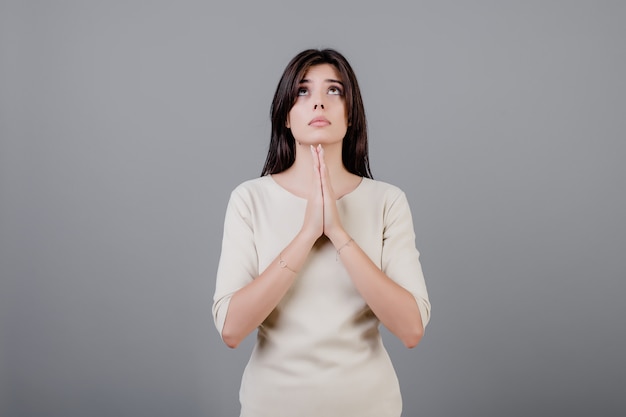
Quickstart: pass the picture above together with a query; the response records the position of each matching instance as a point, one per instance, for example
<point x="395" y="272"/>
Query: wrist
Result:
<point x="339" y="238"/>
<point x="307" y="236"/>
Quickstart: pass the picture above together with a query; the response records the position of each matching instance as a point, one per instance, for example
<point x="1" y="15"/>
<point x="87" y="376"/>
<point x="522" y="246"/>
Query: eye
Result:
<point x="302" y="91"/>
<point x="335" y="91"/>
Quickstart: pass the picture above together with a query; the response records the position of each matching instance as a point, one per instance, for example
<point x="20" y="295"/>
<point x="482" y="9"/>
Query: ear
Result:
<point x="287" y="124"/>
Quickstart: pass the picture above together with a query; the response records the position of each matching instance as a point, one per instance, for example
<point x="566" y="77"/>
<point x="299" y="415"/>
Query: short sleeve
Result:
<point x="400" y="257"/>
<point x="238" y="264"/>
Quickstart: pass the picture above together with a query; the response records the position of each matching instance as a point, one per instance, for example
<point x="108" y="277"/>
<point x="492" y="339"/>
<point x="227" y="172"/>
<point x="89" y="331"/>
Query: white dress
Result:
<point x="319" y="353"/>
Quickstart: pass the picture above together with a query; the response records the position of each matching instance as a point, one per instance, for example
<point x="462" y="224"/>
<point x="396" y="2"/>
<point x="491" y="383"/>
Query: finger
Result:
<point x="317" y="183"/>
<point x="314" y="157"/>
<point x="322" y="162"/>
<point x="316" y="161"/>
<point x="324" y="175"/>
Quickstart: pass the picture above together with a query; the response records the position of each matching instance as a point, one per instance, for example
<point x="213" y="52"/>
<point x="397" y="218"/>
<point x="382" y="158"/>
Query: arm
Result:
<point x="401" y="303"/>
<point x="394" y="306"/>
<point x="243" y="300"/>
<point x="251" y="304"/>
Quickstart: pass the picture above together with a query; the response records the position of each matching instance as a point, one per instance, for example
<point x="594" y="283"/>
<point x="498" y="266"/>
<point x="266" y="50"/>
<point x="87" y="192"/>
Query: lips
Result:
<point x="319" y="122"/>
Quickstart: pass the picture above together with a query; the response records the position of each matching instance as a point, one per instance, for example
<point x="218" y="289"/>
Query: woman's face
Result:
<point x="319" y="114"/>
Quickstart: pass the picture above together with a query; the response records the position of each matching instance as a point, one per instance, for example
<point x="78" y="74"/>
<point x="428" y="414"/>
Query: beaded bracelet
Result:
<point x="342" y="246"/>
<point x="283" y="264"/>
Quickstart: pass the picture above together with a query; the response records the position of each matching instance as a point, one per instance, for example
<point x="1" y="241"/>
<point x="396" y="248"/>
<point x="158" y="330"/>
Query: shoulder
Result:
<point x="252" y="188"/>
<point x="381" y="190"/>
<point x="382" y="197"/>
<point x="245" y="196"/>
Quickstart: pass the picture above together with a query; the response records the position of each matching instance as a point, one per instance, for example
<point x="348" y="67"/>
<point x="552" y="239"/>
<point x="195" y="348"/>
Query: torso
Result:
<point x="320" y="352"/>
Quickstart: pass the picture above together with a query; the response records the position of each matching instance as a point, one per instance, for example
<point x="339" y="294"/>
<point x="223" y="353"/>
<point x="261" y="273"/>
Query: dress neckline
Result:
<point x="354" y="190"/>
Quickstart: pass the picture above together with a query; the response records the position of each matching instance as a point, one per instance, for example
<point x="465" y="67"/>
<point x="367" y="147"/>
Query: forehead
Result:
<point x="322" y="72"/>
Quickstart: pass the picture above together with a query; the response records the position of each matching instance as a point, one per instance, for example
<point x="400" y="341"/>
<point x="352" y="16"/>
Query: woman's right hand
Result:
<point x="313" y="226"/>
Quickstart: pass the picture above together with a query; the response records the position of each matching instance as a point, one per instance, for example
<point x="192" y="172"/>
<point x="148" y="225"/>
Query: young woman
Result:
<point x="315" y="255"/>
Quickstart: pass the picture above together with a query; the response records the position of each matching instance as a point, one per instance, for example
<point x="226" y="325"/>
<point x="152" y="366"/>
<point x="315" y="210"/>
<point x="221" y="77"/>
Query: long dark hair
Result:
<point x="281" y="154"/>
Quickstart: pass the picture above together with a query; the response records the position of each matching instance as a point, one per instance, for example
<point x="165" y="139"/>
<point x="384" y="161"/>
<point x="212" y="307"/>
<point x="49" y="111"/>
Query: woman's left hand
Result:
<point x="332" y="222"/>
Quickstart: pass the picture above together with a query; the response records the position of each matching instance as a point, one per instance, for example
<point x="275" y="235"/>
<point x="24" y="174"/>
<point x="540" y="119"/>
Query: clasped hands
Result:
<point x="321" y="216"/>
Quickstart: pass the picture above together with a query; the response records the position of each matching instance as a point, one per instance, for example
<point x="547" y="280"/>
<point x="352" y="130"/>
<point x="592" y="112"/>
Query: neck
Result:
<point x="300" y="174"/>
<point x="302" y="167"/>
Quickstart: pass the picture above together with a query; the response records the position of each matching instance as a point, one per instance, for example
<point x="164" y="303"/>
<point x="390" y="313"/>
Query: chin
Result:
<point x="324" y="143"/>
<point x="319" y="140"/>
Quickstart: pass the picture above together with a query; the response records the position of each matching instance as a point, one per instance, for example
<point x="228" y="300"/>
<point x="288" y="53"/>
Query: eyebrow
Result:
<point x="328" y="80"/>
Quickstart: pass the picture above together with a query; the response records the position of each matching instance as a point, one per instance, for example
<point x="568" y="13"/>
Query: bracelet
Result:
<point x="342" y="246"/>
<point x="283" y="264"/>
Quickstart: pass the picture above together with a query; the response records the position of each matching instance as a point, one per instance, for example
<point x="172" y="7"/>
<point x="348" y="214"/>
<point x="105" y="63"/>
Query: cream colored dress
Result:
<point x="319" y="353"/>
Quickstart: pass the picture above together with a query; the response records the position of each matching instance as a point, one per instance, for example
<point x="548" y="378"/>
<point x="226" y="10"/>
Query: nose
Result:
<point x="318" y="99"/>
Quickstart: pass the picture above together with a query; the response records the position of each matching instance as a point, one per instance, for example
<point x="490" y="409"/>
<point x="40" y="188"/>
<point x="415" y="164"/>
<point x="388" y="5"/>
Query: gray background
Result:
<point x="125" y="125"/>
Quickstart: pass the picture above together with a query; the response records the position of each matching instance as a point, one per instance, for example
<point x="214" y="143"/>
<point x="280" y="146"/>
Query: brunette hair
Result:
<point x="281" y="154"/>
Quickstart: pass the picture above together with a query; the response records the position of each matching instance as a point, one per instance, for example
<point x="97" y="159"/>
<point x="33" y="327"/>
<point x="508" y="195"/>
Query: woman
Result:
<point x="315" y="255"/>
